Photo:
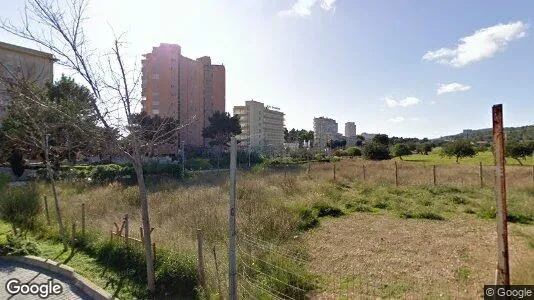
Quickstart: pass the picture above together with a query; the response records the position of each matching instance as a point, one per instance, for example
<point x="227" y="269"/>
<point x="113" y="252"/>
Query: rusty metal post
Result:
<point x="434" y="173"/>
<point x="201" y="274"/>
<point x="334" y="171"/>
<point x="503" y="271"/>
<point x="126" y="230"/>
<point x="83" y="219"/>
<point x="481" y="175"/>
<point x="48" y="214"/>
<point x="396" y="175"/>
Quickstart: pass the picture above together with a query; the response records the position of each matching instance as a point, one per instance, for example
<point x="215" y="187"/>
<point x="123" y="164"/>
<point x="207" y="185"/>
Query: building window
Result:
<point x="155" y="76"/>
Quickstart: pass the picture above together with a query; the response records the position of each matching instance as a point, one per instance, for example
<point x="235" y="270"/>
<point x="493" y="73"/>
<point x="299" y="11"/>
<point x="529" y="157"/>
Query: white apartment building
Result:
<point x="350" y="129"/>
<point x="22" y="63"/>
<point x="324" y="129"/>
<point x="262" y="127"/>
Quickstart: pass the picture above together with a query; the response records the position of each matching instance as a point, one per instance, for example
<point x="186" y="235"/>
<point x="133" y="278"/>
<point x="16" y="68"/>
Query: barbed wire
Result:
<point x="270" y="247"/>
<point x="265" y="288"/>
<point x="272" y="277"/>
<point x="270" y="264"/>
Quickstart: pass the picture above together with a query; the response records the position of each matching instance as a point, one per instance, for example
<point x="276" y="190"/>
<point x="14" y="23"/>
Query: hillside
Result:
<point x="512" y="133"/>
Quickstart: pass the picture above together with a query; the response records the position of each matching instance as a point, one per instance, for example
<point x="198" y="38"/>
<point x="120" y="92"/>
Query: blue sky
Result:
<point x="377" y="63"/>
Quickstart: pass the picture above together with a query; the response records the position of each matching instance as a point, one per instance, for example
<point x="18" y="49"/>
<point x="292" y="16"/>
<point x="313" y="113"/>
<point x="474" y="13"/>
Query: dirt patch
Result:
<point x="366" y="255"/>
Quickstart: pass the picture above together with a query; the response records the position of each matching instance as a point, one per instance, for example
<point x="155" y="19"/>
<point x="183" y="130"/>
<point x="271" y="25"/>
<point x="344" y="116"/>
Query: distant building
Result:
<point x="350" y="129"/>
<point x="368" y="136"/>
<point x="23" y="63"/>
<point x="262" y="126"/>
<point x="186" y="89"/>
<point x="325" y="129"/>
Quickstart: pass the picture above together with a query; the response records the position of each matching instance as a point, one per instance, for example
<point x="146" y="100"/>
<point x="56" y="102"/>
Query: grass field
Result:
<point x="336" y="236"/>
<point x="486" y="158"/>
<point x="115" y="283"/>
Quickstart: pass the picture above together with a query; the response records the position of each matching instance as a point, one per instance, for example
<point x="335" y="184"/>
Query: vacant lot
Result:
<point x="486" y="158"/>
<point x="355" y="236"/>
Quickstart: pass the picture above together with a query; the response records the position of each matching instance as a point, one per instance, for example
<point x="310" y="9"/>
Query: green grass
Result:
<point x="485" y="157"/>
<point x="115" y="283"/>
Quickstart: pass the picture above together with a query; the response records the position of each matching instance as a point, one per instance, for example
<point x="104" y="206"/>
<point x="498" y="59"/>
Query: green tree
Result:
<point x="400" y="150"/>
<point x="518" y="151"/>
<point x="458" y="149"/>
<point x="376" y="151"/>
<point x="221" y="128"/>
<point x="353" y="151"/>
<point x="382" y="139"/>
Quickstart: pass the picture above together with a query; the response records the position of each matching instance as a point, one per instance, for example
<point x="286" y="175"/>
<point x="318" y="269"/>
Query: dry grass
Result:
<point x="270" y="205"/>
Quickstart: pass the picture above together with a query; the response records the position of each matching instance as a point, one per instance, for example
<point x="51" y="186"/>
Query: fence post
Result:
<point x="232" y="275"/>
<point x="200" y="270"/>
<point x="334" y="171"/>
<point x="126" y="229"/>
<point x="503" y="271"/>
<point x="533" y="175"/>
<point x="73" y="233"/>
<point x="481" y="176"/>
<point x="434" y="173"/>
<point x="363" y="169"/>
<point x="309" y="166"/>
<point x="217" y="271"/>
<point x="48" y="214"/>
<point x="396" y="175"/>
<point x="83" y="219"/>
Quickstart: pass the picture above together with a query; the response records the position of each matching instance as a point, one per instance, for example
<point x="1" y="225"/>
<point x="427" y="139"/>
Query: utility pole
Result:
<point x="232" y="274"/>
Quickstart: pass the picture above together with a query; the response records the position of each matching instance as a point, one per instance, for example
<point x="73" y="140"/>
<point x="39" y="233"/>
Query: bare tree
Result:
<point x="115" y="87"/>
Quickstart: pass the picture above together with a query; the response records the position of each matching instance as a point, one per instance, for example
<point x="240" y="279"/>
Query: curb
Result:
<point x="89" y="288"/>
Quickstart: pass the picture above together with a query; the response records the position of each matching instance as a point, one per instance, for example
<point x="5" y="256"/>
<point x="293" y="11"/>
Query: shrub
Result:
<point x="198" y="164"/>
<point x="376" y="151"/>
<point x="324" y="210"/>
<point x="400" y="150"/>
<point x="20" y="206"/>
<point x="105" y="173"/>
<point x="17" y="246"/>
<point x="17" y="163"/>
<point x="4" y="180"/>
<point x="308" y="219"/>
<point x="353" y="151"/>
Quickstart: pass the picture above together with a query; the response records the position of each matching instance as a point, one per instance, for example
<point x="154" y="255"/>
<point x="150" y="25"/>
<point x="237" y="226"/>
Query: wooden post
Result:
<point x="83" y="219"/>
<point x="334" y="171"/>
<point x="200" y="269"/>
<point x="73" y="234"/>
<point x="46" y="211"/>
<point x="396" y="175"/>
<point x="141" y="232"/>
<point x="217" y="271"/>
<point x="503" y="271"/>
<point x="481" y="175"/>
<point x="434" y="173"/>
<point x="232" y="274"/>
<point x="126" y="230"/>
<point x="363" y="169"/>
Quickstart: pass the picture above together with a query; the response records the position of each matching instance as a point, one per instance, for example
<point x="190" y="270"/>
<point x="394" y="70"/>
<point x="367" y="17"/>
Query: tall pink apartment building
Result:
<point x="183" y="88"/>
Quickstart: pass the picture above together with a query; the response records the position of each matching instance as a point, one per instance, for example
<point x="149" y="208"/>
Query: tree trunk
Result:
<point x="147" y="240"/>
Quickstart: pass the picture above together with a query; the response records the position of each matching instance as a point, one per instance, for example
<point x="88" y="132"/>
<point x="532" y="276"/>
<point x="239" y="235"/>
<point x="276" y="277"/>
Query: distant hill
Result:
<point x="525" y="133"/>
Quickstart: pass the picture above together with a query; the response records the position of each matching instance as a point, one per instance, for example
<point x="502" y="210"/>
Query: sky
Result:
<point x="402" y="67"/>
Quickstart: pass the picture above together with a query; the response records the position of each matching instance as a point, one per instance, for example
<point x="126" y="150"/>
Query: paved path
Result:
<point x="28" y="274"/>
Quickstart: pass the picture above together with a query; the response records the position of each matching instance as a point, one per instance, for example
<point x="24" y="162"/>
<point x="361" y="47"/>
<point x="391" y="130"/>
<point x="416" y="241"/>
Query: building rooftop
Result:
<point x="25" y="50"/>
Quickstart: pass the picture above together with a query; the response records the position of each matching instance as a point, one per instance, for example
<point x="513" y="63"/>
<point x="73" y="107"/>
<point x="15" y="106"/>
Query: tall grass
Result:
<point x="276" y="206"/>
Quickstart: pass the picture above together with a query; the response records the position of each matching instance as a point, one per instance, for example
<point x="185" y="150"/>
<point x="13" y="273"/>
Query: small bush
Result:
<point x="4" y="180"/>
<point x="103" y="174"/>
<point x="353" y="151"/>
<point x="20" y="206"/>
<point x="17" y="246"/>
<point x="358" y="207"/>
<point x="308" y="219"/>
<point x="376" y="151"/>
<point x="325" y="210"/>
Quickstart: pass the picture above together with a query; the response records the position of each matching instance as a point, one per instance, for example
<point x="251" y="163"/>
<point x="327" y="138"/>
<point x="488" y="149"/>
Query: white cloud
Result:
<point x="482" y="44"/>
<point x="408" y="101"/>
<point x="452" y="87"/>
<point x="396" y="120"/>
<point x="303" y="8"/>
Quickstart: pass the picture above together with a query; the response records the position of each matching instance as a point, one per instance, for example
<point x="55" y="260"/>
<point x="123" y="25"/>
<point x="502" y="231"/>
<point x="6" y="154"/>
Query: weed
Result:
<point x="325" y="210"/>
<point x="463" y="274"/>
